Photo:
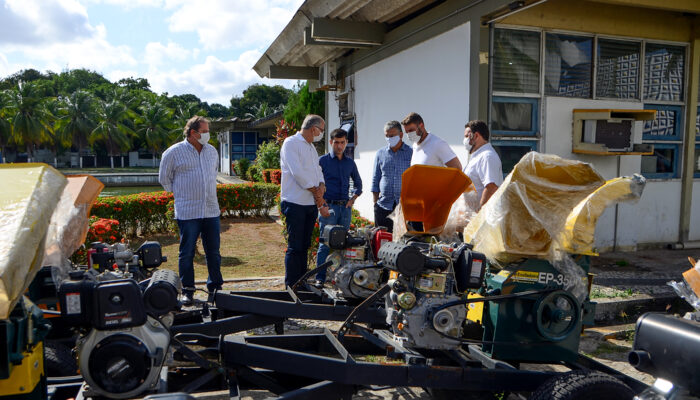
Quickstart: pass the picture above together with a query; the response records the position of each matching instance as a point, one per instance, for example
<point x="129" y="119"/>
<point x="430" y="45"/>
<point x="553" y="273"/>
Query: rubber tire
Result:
<point x="59" y="360"/>
<point x="580" y="385"/>
<point x="448" y="394"/>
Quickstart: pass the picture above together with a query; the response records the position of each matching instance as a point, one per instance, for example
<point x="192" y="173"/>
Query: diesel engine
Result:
<point x="428" y="284"/>
<point x="124" y="328"/>
<point x="354" y="271"/>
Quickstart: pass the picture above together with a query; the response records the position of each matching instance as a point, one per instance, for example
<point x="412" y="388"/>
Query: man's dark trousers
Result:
<point x="381" y="217"/>
<point x="300" y="225"/>
<point x="190" y="230"/>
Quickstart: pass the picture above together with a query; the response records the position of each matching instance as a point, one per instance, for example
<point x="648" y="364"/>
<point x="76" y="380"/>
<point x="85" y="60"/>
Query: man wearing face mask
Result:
<point x="483" y="166"/>
<point x="428" y="149"/>
<point x="188" y="170"/>
<point x="338" y="170"/>
<point x="301" y="192"/>
<point x="389" y="164"/>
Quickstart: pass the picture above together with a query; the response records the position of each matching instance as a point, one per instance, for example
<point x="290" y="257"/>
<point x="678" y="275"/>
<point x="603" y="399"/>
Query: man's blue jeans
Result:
<point x="341" y="216"/>
<point x="300" y="225"/>
<point x="190" y="229"/>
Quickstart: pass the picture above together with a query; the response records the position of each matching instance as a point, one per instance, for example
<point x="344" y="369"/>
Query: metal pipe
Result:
<point x="684" y="245"/>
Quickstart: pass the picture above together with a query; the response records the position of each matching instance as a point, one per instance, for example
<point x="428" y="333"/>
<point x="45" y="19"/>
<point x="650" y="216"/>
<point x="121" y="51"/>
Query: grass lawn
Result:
<point x="249" y="247"/>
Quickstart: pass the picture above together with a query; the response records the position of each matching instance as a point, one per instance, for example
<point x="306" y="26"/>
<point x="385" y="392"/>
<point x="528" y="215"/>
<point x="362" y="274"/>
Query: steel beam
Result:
<point x="291" y="72"/>
<point x="349" y="32"/>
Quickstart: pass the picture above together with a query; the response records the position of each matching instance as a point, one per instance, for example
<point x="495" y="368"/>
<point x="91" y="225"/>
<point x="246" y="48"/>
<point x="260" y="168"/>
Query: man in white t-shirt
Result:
<point x="484" y="165"/>
<point x="428" y="149"/>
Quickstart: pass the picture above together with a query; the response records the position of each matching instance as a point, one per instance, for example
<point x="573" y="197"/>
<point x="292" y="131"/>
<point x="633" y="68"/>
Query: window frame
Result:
<point x="532" y="144"/>
<point x="594" y="43"/>
<point x="640" y="68"/>
<point x="678" y="122"/>
<point x="534" y="117"/>
<point x="676" y="162"/>
<point x="244" y="144"/>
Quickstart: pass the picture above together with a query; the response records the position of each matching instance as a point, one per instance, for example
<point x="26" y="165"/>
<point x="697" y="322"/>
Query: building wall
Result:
<point x="431" y="78"/>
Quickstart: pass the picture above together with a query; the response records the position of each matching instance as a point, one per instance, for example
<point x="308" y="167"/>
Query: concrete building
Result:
<point x="240" y="138"/>
<point x="524" y="67"/>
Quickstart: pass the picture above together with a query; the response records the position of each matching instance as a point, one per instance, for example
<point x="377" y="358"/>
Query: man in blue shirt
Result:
<point x="337" y="172"/>
<point x="389" y="163"/>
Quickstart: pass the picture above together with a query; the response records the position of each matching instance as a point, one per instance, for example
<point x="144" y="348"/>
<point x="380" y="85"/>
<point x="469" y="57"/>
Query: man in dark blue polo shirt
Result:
<point x="337" y="172"/>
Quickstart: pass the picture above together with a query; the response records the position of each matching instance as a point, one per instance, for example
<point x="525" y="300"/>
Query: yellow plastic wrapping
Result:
<point x="547" y="208"/>
<point x="578" y="235"/>
<point x="28" y="199"/>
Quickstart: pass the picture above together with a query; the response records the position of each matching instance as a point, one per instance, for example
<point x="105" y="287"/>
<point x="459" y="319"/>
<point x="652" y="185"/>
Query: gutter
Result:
<point x="684" y="245"/>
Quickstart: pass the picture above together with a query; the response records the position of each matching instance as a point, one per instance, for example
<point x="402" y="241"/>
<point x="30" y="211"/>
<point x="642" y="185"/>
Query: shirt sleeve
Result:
<point x="304" y="178"/>
<point x="491" y="171"/>
<point x="165" y="171"/>
<point x="356" y="179"/>
<point x="445" y="153"/>
<point x="377" y="175"/>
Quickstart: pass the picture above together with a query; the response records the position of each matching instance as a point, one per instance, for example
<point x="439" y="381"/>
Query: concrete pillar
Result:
<point x="689" y="139"/>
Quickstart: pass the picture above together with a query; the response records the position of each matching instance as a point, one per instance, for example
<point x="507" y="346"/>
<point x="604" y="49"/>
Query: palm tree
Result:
<point x="52" y="109"/>
<point x="154" y="125"/>
<point x="29" y="121"/>
<point x="79" y="119"/>
<point x="111" y="128"/>
<point x="5" y="126"/>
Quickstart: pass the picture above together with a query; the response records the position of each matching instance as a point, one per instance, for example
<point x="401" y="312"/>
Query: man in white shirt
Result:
<point x="301" y="194"/>
<point x="428" y="149"/>
<point x="188" y="170"/>
<point x="484" y="165"/>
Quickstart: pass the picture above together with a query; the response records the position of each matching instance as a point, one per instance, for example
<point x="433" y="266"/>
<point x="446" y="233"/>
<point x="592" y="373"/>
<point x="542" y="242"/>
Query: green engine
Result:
<point x="541" y="327"/>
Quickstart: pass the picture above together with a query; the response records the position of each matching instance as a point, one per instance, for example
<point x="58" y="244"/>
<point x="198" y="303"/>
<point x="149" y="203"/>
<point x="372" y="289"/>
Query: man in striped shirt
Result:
<point x="389" y="163"/>
<point x="188" y="170"/>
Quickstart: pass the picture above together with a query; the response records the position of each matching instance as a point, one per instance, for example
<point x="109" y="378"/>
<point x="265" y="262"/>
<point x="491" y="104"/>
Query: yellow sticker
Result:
<point x="525" y="276"/>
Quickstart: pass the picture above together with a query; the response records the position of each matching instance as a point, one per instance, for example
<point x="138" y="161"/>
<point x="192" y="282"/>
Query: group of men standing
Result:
<point x="314" y="187"/>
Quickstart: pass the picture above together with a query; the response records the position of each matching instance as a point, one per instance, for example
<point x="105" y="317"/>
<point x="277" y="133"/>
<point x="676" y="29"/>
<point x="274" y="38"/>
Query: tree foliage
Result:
<point x="273" y="97"/>
<point x="302" y="102"/>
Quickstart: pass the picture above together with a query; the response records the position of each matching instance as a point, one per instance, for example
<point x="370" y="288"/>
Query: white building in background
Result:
<point x="524" y="67"/>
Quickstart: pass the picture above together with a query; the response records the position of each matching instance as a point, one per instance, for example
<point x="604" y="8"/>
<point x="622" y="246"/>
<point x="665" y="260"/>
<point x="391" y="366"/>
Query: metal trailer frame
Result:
<point x="315" y="366"/>
<point x="313" y="304"/>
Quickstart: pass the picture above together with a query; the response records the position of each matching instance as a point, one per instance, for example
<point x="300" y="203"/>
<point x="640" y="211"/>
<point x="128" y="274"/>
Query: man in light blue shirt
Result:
<point x="389" y="163"/>
<point x="188" y="170"/>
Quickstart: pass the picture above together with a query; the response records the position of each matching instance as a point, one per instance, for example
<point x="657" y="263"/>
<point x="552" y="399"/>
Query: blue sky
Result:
<point x="204" y="47"/>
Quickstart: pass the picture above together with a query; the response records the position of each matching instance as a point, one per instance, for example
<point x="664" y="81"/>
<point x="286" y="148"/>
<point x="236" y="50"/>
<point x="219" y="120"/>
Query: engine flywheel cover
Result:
<point x="119" y="363"/>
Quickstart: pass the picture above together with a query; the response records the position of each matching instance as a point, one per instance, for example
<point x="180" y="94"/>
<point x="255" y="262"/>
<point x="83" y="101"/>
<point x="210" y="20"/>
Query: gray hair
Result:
<point x="392" y="125"/>
<point x="312" y="120"/>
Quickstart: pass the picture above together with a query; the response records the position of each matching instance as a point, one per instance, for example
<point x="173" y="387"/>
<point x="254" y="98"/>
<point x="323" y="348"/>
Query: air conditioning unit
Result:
<point x="328" y="76"/>
<point x="610" y="132"/>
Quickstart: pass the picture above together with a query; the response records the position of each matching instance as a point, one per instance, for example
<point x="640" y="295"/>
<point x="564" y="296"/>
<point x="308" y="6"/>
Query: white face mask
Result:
<point x="467" y="145"/>
<point x="393" y="141"/>
<point x="319" y="137"/>
<point x="204" y="138"/>
<point x="414" y="136"/>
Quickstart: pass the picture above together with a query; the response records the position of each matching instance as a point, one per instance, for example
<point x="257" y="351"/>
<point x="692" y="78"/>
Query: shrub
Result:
<point x="266" y="175"/>
<point x="154" y="212"/>
<point x="276" y="176"/>
<point x="255" y="173"/>
<point x="101" y="230"/>
<point x="241" y="168"/>
<point x="268" y="155"/>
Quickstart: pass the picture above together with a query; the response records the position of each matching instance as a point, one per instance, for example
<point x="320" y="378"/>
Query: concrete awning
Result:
<point x="323" y="30"/>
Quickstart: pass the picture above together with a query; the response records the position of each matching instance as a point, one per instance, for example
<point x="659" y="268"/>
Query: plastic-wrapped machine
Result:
<point x="69" y="223"/>
<point x="28" y="199"/>
<point x="547" y="208"/>
<point x="427" y="195"/>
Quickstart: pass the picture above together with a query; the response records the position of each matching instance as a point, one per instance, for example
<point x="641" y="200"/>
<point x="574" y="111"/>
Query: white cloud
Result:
<point x="214" y="80"/>
<point x="222" y="24"/>
<point x="157" y="54"/>
<point x="36" y="22"/>
<point x="129" y="4"/>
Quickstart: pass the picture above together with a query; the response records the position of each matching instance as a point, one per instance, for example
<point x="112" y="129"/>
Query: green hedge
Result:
<point x="153" y="212"/>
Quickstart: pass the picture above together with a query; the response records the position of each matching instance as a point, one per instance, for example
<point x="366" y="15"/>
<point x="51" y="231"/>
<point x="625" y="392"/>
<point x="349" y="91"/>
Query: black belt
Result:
<point x="337" y="202"/>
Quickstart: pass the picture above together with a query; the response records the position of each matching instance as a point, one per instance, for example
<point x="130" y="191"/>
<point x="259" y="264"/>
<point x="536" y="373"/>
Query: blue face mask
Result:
<point x="392" y="141"/>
